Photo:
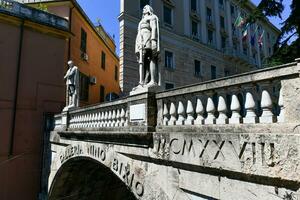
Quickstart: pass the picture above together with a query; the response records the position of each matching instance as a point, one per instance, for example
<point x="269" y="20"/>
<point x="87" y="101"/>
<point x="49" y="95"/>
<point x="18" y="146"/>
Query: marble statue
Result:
<point x="72" y="83"/>
<point x="147" y="48"/>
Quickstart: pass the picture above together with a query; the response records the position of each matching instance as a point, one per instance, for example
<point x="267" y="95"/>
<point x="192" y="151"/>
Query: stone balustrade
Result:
<point x="262" y="96"/>
<point x="105" y="115"/>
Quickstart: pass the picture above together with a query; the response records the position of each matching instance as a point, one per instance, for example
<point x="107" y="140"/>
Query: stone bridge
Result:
<point x="231" y="138"/>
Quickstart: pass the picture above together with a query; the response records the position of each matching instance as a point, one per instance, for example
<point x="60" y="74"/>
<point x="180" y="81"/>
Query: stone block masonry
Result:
<point x="233" y="138"/>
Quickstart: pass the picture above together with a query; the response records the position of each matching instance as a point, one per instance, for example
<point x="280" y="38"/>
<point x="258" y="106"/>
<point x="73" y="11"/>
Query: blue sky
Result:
<point x="108" y="11"/>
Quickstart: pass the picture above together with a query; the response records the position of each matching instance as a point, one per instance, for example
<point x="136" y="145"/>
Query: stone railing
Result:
<point x="260" y="97"/>
<point x="105" y="115"/>
<point x="263" y="96"/>
<point x="26" y="12"/>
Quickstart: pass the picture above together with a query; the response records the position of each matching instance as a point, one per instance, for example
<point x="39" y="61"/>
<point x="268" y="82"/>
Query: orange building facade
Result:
<point x="91" y="49"/>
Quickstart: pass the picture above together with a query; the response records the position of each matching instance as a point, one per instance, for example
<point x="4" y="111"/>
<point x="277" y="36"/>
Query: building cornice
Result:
<point x="85" y="17"/>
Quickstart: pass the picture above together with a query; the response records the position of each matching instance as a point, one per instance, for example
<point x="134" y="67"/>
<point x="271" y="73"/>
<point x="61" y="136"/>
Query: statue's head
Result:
<point x="147" y="10"/>
<point x="70" y="63"/>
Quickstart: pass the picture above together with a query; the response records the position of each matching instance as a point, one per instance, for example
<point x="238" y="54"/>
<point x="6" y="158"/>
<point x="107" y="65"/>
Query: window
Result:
<point x="213" y="72"/>
<point x="169" y="86"/>
<point x="194" y="28"/>
<point x="116" y="73"/>
<point x="102" y="93"/>
<point x="208" y="15"/>
<point x="226" y="72"/>
<point x="223" y="42"/>
<point x="197" y="68"/>
<point x="103" y="58"/>
<point x="221" y="4"/>
<point x="83" y="41"/>
<point x="194" y="5"/>
<point x="167" y="15"/>
<point x="222" y="22"/>
<point x="84" y="87"/>
<point x="232" y="10"/>
<point x="169" y="60"/>
<point x="210" y="37"/>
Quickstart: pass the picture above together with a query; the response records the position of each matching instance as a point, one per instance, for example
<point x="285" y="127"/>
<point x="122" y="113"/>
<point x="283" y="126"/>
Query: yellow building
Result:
<point x="91" y="49"/>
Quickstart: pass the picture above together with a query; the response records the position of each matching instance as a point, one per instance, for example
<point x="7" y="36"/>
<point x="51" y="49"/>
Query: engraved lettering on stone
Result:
<point x="219" y="149"/>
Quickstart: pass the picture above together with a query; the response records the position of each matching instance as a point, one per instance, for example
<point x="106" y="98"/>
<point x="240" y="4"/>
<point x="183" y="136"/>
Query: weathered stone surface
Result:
<point x="169" y="155"/>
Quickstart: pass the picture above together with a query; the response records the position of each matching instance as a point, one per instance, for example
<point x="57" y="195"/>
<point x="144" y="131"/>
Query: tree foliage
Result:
<point x="284" y="50"/>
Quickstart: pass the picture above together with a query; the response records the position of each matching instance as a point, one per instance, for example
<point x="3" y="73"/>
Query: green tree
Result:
<point x="284" y="50"/>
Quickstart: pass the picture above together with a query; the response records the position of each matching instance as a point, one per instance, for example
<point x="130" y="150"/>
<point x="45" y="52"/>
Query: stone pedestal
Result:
<point x="144" y="89"/>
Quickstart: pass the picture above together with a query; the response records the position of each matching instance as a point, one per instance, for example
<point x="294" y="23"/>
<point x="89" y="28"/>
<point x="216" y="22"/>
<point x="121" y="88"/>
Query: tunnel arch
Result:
<point x="87" y="179"/>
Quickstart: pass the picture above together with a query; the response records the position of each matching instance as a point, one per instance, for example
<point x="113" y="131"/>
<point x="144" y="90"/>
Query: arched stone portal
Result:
<point x="83" y="178"/>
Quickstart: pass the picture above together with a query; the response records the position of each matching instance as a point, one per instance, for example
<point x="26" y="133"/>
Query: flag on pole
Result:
<point x="260" y="39"/>
<point x="245" y="31"/>
<point x="239" y="21"/>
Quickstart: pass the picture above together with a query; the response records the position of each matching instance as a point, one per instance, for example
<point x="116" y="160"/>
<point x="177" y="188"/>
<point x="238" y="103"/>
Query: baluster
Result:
<point x="98" y="120"/>
<point x="266" y="105"/>
<point x="84" y="125"/>
<point x="172" y="120"/>
<point x="83" y="121"/>
<point x="199" y="110"/>
<point x="222" y="109"/>
<point x="105" y="119"/>
<point x="250" y="110"/>
<point x="94" y="118"/>
<point x="122" y="115"/>
<point x="165" y="115"/>
<point x="180" y="113"/>
<point x="235" y="108"/>
<point x="280" y="118"/>
<point x="126" y="118"/>
<point x="71" y="122"/>
<point x="118" y="118"/>
<point x="102" y="119"/>
<point x="89" y="120"/>
<point x="210" y="109"/>
<point x="113" y="118"/>
<point x="190" y="113"/>
<point x="76" y="121"/>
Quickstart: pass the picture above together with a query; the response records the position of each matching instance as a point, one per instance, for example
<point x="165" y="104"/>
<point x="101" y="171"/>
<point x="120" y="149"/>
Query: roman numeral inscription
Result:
<point x="245" y="152"/>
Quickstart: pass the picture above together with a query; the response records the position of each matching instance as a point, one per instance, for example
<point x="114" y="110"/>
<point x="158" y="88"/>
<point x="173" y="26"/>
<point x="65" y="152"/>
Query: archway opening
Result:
<point x="87" y="179"/>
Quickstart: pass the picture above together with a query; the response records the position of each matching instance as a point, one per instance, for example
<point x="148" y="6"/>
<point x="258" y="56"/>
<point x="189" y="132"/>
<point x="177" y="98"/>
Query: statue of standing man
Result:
<point x="72" y="83"/>
<point x="147" y="48"/>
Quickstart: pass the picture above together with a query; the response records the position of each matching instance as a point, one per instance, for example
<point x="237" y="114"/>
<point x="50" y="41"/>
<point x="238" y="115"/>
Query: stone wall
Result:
<point x="167" y="146"/>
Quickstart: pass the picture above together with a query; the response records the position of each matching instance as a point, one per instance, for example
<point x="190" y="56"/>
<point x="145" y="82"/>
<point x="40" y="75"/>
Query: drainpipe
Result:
<point x="70" y="27"/>
<point x="13" y="124"/>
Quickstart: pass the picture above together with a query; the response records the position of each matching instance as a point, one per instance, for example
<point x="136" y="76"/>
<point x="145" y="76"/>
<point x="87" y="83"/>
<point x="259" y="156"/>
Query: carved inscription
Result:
<point x="128" y="177"/>
<point x="69" y="152"/>
<point x="213" y="149"/>
<point x="99" y="153"/>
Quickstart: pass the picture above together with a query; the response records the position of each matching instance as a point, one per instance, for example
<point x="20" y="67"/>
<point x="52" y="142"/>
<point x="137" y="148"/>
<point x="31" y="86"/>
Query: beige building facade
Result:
<point x="199" y="40"/>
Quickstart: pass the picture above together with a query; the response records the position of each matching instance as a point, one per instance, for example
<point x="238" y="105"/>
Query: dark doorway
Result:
<point x="86" y="179"/>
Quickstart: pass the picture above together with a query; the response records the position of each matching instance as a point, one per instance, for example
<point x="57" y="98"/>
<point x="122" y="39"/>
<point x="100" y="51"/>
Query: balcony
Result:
<point x="25" y="12"/>
<point x="236" y="56"/>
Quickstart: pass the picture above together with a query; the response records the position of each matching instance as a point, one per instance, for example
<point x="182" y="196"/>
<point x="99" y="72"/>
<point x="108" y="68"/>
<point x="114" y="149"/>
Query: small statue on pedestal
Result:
<point x="147" y="49"/>
<point x="72" y="83"/>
